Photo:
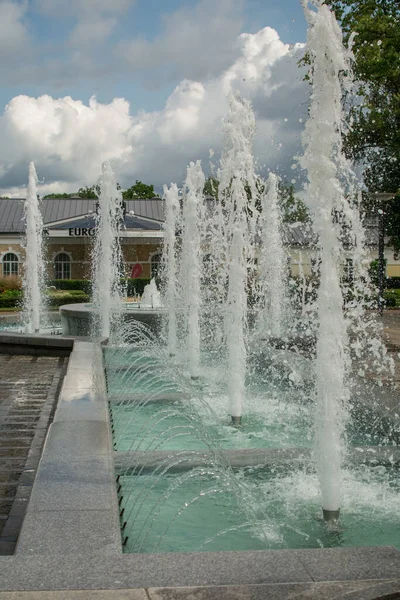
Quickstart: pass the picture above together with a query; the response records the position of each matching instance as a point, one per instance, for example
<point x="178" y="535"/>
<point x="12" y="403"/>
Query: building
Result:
<point x="69" y="228"/>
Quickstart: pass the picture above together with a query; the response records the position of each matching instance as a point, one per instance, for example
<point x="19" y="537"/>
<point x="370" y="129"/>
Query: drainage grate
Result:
<point x="29" y="386"/>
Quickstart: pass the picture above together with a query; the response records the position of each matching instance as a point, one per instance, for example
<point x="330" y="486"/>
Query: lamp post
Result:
<point x="381" y="197"/>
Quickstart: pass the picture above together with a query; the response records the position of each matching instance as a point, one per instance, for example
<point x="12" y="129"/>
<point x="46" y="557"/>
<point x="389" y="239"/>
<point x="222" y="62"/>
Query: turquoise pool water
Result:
<point x="156" y="407"/>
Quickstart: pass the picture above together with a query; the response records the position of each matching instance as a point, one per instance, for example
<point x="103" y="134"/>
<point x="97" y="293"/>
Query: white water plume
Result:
<point x="272" y="263"/>
<point x="193" y="207"/>
<point x="171" y="198"/>
<point x="238" y="194"/>
<point x="322" y="144"/>
<point x="107" y="258"/>
<point x="33" y="278"/>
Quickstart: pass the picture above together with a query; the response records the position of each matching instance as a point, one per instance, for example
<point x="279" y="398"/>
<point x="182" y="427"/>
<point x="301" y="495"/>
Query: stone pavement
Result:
<point x="28" y="388"/>
<point x="353" y="590"/>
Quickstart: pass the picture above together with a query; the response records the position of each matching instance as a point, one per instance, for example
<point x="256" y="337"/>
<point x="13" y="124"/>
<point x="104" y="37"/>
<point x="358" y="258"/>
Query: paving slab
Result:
<point x="72" y="440"/>
<point x="85" y="404"/>
<point x="341" y="564"/>
<point x="63" y="532"/>
<point x="86" y="484"/>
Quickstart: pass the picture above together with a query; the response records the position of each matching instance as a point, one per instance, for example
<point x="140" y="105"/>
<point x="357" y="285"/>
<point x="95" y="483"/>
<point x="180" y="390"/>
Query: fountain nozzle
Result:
<point x="237" y="421"/>
<point x="331" y="515"/>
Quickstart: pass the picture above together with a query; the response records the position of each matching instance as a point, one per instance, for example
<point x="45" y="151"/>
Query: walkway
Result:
<point x="28" y="388"/>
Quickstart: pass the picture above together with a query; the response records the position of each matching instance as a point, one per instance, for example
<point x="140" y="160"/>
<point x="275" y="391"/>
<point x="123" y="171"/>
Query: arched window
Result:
<point x="62" y="266"/>
<point x="10" y="264"/>
<point x="155" y="265"/>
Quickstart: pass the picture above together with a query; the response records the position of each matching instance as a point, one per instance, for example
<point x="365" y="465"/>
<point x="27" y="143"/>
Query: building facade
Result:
<point x="69" y="230"/>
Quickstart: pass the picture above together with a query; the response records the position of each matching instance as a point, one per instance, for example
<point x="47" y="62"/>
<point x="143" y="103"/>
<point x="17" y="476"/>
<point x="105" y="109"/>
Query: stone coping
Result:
<point x="70" y="539"/>
<point x="85" y="309"/>
<point x="34" y="343"/>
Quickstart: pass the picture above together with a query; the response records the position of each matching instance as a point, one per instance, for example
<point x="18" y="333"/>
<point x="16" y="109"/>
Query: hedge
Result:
<point x="51" y="303"/>
<point x="10" y="302"/>
<point x="85" y="285"/>
<point x="134" y="287"/>
<point x="392" y="283"/>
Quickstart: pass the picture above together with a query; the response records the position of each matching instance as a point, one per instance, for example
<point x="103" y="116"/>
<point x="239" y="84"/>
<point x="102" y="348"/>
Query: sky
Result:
<point x="144" y="84"/>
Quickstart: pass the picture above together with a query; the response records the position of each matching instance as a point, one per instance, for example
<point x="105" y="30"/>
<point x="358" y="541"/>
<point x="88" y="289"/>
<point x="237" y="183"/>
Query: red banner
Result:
<point x="137" y="270"/>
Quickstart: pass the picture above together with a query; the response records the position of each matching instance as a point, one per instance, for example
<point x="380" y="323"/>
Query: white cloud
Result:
<point x="69" y="140"/>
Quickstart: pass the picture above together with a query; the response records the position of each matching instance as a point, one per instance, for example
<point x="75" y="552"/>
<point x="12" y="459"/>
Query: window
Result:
<point x="10" y="264"/>
<point x="62" y="266"/>
<point x="348" y="271"/>
<point x="155" y="265"/>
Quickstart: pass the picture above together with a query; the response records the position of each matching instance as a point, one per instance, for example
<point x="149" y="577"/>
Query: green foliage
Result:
<point x="59" y="299"/>
<point x="392" y="298"/>
<point x="374" y="132"/>
<point x="58" y="196"/>
<point x="392" y="283"/>
<point x="90" y="193"/>
<point x="134" y="287"/>
<point x="211" y="187"/>
<point x="10" y="283"/>
<point x="139" y="191"/>
<point x="11" y="294"/>
<point x="83" y="285"/>
<point x="293" y="209"/>
<point x="9" y="302"/>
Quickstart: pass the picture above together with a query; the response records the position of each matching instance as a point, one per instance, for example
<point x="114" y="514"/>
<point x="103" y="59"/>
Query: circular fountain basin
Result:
<point x="80" y="319"/>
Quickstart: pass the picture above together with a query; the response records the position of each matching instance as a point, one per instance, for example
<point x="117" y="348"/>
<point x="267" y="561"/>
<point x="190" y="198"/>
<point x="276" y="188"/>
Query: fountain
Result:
<point x="107" y="252"/>
<point x="173" y="399"/>
<point x="191" y="271"/>
<point x="33" y="277"/>
<point x="175" y="446"/>
<point x="171" y="197"/>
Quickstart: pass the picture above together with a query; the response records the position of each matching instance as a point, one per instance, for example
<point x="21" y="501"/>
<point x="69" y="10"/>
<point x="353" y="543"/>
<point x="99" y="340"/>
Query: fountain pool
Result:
<point x="190" y="481"/>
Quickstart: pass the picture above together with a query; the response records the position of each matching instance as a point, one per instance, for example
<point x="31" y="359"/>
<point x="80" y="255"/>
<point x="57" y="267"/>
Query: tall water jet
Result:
<point x="193" y="203"/>
<point x="107" y="258"/>
<point x="238" y="194"/>
<point x="171" y="197"/>
<point x="322" y="141"/>
<point x="272" y="266"/>
<point x="33" y="277"/>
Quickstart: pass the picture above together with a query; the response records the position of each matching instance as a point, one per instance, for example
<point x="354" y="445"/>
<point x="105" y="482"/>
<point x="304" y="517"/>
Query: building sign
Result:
<point x="82" y="231"/>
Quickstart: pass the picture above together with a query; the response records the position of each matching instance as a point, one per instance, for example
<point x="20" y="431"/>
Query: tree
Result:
<point x="293" y="209"/>
<point x="211" y="187"/>
<point x="90" y="193"/>
<point x="373" y="138"/>
<point x="58" y="196"/>
<point x="139" y="191"/>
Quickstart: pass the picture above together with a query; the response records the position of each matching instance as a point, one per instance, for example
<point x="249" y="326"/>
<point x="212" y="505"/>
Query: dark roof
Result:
<point x="55" y="210"/>
<point x="59" y="209"/>
<point x="88" y="221"/>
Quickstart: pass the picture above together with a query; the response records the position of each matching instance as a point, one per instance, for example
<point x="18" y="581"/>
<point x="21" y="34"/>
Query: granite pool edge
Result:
<point x="71" y="539"/>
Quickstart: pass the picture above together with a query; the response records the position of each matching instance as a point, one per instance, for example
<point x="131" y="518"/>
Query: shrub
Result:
<point x="57" y="301"/>
<point x="134" y="287"/>
<point x="9" y="302"/>
<point x="11" y="294"/>
<point x="392" y="298"/>
<point x="392" y="283"/>
<point x="13" y="282"/>
<point x="84" y="285"/>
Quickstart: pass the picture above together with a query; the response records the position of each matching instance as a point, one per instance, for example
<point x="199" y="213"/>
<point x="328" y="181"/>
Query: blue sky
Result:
<point x="50" y="30"/>
<point x="146" y="52"/>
